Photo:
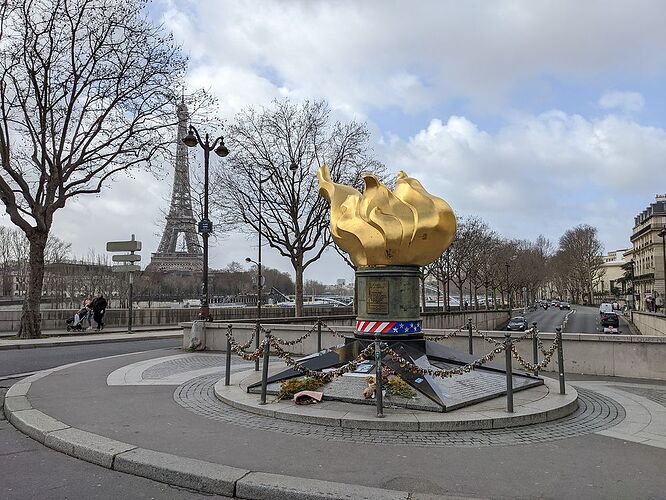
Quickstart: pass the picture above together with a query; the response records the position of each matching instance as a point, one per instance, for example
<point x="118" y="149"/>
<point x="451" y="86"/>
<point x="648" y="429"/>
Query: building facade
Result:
<point x="648" y="256"/>
<point x="611" y="274"/>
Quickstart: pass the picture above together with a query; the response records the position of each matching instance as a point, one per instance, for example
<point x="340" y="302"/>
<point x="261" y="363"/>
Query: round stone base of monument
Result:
<point x="535" y="405"/>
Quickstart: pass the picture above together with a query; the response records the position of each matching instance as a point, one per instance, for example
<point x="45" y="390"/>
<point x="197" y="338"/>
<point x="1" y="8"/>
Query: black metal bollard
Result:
<point x="318" y="334"/>
<point x="256" y="345"/>
<point x="264" y="371"/>
<point x="227" y="368"/>
<point x="535" y="345"/>
<point x="509" y="373"/>
<point x="379" y="397"/>
<point x="560" y="359"/>
<point x="469" y="330"/>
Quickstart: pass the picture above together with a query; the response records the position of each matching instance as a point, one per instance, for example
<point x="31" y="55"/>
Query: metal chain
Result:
<point x="535" y="367"/>
<point x="330" y="330"/>
<point x="405" y="363"/>
<point x="240" y="350"/>
<point x="295" y="341"/>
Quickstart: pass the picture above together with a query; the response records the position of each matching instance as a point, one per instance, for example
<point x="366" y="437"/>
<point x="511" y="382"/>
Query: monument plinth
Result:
<point x="389" y="235"/>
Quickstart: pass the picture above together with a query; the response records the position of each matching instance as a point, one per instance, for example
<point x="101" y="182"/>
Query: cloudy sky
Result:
<point x="536" y="116"/>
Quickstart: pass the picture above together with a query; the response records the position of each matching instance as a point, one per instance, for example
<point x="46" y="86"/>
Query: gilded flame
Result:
<point x="407" y="227"/>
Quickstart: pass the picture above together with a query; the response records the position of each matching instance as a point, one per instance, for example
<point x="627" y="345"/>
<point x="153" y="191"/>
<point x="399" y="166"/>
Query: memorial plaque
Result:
<point x="377" y="297"/>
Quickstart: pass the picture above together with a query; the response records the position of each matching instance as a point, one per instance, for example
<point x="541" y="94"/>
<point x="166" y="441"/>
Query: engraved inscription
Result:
<point x="377" y="297"/>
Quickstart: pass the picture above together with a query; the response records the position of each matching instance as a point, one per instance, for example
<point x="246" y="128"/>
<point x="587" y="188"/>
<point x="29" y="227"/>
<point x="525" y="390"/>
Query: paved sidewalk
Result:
<point x="90" y="338"/>
<point x="161" y="401"/>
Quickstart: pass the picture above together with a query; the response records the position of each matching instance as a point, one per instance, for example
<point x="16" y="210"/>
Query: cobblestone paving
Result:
<point x="656" y="395"/>
<point x="179" y="365"/>
<point x="595" y="413"/>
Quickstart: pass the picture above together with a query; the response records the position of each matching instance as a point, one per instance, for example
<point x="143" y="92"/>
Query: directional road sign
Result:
<point x="126" y="268"/>
<point x="131" y="257"/>
<point x="123" y="246"/>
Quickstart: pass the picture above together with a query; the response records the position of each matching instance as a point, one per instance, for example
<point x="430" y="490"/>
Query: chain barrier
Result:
<point x="540" y="344"/>
<point x="240" y="349"/>
<point x="531" y="367"/>
<point x="281" y="341"/>
<point x="438" y="338"/>
<point x="330" y="330"/>
<point x="405" y="363"/>
<point x="326" y="377"/>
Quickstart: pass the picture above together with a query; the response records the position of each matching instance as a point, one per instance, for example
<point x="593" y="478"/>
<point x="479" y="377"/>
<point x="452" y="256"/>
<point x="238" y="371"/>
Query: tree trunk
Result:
<point x="30" y="327"/>
<point x="298" y="269"/>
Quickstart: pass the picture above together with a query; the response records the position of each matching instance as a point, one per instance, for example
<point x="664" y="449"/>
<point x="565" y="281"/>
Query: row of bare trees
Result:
<point x="482" y="264"/>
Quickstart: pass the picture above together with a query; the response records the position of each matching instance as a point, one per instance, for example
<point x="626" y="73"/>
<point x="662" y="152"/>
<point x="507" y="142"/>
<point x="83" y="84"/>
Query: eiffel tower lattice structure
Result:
<point x="179" y="250"/>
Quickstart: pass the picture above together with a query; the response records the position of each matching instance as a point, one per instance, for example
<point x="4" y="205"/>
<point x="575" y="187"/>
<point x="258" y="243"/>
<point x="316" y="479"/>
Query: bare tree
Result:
<point x="580" y="257"/>
<point x="285" y="145"/>
<point x="86" y="91"/>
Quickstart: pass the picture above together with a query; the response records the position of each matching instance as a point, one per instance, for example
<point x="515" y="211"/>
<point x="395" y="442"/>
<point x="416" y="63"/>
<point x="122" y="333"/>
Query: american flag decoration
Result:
<point x="392" y="327"/>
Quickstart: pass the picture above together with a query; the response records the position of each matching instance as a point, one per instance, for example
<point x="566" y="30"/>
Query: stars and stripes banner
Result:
<point x="392" y="327"/>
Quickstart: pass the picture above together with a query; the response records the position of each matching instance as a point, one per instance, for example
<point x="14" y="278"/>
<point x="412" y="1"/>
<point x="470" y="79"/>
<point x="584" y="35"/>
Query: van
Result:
<point x="606" y="307"/>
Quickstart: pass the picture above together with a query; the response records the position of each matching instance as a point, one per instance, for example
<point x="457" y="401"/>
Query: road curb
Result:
<point x="172" y="469"/>
<point x="135" y="337"/>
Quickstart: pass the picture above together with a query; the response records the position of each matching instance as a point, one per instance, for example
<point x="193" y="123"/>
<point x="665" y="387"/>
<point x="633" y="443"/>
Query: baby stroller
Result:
<point x="74" y="323"/>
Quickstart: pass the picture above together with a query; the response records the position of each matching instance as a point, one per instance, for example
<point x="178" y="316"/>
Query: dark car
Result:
<point x="610" y="319"/>
<point x="517" y="324"/>
<point x="565" y="305"/>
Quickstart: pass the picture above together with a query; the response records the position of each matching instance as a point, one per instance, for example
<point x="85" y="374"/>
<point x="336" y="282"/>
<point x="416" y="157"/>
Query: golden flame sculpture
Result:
<point x="407" y="227"/>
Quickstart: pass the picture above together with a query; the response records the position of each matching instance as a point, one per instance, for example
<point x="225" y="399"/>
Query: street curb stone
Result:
<point x="180" y="471"/>
<point x="17" y="403"/>
<point x="86" y="446"/>
<point x="34" y="423"/>
<point x="65" y="343"/>
<point x="265" y="486"/>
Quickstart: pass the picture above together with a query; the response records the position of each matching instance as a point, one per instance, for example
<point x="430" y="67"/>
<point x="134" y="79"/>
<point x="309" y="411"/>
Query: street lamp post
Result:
<point x="191" y="140"/>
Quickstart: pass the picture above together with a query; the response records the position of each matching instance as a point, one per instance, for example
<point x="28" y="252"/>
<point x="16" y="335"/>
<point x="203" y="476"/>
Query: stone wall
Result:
<point x="635" y="356"/>
<point x="649" y="323"/>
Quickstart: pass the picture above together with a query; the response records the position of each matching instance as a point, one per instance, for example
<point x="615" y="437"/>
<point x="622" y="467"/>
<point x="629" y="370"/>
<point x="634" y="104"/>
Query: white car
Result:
<point x="606" y="307"/>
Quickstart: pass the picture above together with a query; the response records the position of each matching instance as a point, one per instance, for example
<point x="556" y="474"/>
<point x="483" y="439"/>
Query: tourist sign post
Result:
<point x="128" y="266"/>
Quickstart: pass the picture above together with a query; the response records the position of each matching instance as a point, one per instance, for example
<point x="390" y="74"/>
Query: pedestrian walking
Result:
<point x="98" y="309"/>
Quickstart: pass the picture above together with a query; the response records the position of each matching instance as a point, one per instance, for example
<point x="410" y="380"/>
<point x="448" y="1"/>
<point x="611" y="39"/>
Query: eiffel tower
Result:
<point x="175" y="253"/>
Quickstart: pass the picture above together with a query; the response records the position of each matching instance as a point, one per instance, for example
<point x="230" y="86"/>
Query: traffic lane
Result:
<point x="586" y="320"/>
<point x="547" y="320"/>
<point x="13" y="361"/>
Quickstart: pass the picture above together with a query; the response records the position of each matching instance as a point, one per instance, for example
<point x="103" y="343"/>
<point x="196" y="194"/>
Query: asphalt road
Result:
<point x="30" y="470"/>
<point x="580" y="319"/>
<point x="14" y="361"/>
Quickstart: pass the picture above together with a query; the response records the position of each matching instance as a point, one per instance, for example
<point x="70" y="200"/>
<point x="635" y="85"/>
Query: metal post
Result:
<point x="509" y="373"/>
<point x="560" y="359"/>
<point x="264" y="371"/>
<point x="131" y="299"/>
<point x="469" y="330"/>
<point x="379" y="397"/>
<point x="318" y="334"/>
<point x="535" y="345"/>
<point x="227" y="368"/>
<point x="257" y="331"/>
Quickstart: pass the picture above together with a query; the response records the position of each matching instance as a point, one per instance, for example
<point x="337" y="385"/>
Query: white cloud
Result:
<point x="410" y="55"/>
<point x="542" y="173"/>
<point x="629" y="102"/>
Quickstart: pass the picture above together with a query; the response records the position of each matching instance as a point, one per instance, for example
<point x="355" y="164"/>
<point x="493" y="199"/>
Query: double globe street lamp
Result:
<point x="191" y="140"/>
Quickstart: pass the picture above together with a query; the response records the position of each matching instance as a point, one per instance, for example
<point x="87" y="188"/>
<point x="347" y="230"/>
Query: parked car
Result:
<point x="606" y="307"/>
<point x="565" y="305"/>
<point x="609" y="319"/>
<point x="517" y="324"/>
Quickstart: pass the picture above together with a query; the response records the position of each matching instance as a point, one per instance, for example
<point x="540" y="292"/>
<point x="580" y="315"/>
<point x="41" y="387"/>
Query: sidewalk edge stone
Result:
<point x="180" y="471"/>
<point x="266" y="486"/>
<point x="87" y="446"/>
